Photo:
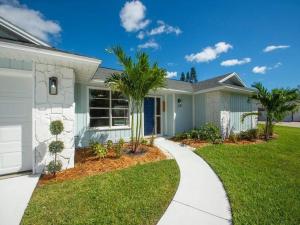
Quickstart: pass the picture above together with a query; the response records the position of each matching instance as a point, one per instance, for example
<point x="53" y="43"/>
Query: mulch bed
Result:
<point x="200" y="143"/>
<point x="87" y="163"/>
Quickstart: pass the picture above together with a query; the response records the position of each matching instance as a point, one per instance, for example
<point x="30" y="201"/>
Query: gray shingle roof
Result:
<point x="103" y="73"/>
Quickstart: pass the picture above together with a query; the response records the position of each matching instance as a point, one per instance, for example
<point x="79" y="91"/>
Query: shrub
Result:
<point x="56" y="127"/>
<point x="194" y="134"/>
<point x="233" y="137"/>
<point x="151" y="141"/>
<point x="54" y="166"/>
<point x="144" y="142"/>
<point x="210" y="132"/>
<point x="55" y="147"/>
<point x="109" y="144"/>
<point x="249" y="135"/>
<point x="121" y="142"/>
<point x="118" y="150"/>
<point x="98" y="149"/>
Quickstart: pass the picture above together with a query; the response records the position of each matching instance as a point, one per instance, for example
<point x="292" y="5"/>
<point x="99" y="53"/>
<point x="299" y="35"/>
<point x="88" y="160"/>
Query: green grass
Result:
<point x="137" y="195"/>
<point x="261" y="180"/>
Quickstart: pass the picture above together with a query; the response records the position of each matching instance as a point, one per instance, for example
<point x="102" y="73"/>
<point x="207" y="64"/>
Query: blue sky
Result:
<point x="178" y="34"/>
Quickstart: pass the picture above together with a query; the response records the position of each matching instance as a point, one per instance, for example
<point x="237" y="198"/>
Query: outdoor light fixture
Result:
<point x="53" y="85"/>
<point x="179" y="102"/>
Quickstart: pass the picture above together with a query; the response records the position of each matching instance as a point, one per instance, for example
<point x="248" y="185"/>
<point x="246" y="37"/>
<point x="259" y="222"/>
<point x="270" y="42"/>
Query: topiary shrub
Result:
<point x="55" y="147"/>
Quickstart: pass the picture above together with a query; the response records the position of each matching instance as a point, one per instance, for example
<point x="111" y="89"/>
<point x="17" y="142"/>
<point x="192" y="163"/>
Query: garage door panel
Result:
<point x="19" y="132"/>
<point x="15" y="123"/>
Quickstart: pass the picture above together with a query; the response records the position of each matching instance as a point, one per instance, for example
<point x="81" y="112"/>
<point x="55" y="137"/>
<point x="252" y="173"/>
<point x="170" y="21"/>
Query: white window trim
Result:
<point x="110" y="127"/>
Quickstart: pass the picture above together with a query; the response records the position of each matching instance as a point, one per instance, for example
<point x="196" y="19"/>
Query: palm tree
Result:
<point x="135" y="82"/>
<point x="277" y="103"/>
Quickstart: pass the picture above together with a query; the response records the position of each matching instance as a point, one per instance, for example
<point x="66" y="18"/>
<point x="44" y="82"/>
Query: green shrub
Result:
<point x="121" y="142"/>
<point x="98" y="149"/>
<point x="249" y="135"/>
<point x="56" y="127"/>
<point x="144" y="142"/>
<point x="109" y="144"/>
<point x="233" y="137"/>
<point x="56" y="147"/>
<point x="210" y="132"/>
<point x="194" y="134"/>
<point x="118" y="150"/>
<point x="151" y="141"/>
<point x="54" y="166"/>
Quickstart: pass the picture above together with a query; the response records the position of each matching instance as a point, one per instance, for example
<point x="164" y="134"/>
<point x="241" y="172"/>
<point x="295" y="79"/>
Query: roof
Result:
<point x="229" y="80"/>
<point x="12" y="32"/>
<point x="210" y="83"/>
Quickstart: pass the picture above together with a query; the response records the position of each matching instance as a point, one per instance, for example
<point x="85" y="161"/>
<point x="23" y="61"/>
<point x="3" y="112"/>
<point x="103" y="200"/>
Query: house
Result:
<point x="290" y="117"/>
<point x="39" y="84"/>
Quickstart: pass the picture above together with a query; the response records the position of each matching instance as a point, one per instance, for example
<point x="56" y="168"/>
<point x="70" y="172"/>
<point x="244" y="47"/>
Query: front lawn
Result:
<point x="137" y="195"/>
<point x="262" y="180"/>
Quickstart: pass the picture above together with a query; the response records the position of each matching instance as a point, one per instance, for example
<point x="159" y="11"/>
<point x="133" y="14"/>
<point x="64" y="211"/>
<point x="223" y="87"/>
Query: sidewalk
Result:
<point x="200" y="198"/>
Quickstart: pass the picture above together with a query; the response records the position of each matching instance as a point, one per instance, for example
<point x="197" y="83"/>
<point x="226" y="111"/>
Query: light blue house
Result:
<point x="39" y="84"/>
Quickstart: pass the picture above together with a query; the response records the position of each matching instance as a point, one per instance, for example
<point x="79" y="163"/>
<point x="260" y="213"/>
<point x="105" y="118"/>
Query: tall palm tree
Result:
<point x="277" y="103"/>
<point x="135" y="82"/>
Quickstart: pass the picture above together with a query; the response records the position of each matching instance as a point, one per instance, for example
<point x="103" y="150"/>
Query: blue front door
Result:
<point x="149" y="116"/>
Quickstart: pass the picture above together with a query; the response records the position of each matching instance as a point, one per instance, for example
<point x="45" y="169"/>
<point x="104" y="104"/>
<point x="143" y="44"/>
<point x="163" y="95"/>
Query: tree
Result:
<point x="135" y="82"/>
<point x="277" y="103"/>
<point x="193" y="75"/>
<point x="187" y="77"/>
<point x="182" y="77"/>
<point x="55" y="147"/>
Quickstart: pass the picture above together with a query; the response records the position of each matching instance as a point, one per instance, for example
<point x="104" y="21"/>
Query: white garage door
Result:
<point x="15" y="122"/>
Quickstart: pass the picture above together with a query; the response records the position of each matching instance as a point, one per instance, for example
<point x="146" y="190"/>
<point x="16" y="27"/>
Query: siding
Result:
<point x="184" y="114"/>
<point x="239" y="105"/>
<point x="15" y="64"/>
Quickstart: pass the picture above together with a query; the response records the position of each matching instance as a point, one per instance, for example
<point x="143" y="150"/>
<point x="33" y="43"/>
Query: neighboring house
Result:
<point x="30" y="70"/>
<point x="290" y="117"/>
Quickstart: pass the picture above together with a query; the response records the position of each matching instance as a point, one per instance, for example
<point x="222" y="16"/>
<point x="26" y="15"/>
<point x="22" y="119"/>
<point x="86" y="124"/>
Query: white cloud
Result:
<point x="259" y="69"/>
<point x="264" y="69"/>
<point x="133" y="16"/>
<point x="141" y="35"/>
<point x="274" y="47"/>
<point x="164" y="28"/>
<point x="209" y="53"/>
<point x="233" y="62"/>
<point x="30" y="20"/>
<point x="171" y="74"/>
<point x="149" y="44"/>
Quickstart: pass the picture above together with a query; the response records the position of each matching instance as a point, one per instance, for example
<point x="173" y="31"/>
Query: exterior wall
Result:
<point x="239" y="105"/>
<point x="83" y="134"/>
<point x="52" y="107"/>
<point x="170" y="115"/>
<point x="184" y="114"/>
<point x="225" y="110"/>
<point x="207" y="108"/>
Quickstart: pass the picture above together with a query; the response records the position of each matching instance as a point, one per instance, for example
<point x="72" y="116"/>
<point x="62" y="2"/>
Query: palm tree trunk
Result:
<point x="140" y="125"/>
<point x="132" y="126"/>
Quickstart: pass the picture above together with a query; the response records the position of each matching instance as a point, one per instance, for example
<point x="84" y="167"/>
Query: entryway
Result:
<point x="152" y="116"/>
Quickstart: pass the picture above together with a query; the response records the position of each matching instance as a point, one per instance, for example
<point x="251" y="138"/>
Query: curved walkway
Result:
<point x="200" y="197"/>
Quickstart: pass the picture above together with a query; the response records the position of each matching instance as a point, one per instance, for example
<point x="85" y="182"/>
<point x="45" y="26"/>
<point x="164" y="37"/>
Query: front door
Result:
<point x="152" y="116"/>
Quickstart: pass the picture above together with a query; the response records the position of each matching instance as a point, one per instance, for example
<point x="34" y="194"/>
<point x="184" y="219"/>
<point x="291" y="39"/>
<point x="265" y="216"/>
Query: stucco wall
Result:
<point x="53" y="107"/>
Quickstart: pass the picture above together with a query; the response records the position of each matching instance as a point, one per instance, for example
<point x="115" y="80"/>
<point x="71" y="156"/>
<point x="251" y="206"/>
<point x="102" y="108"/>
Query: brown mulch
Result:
<point x="87" y="163"/>
<point x="200" y="143"/>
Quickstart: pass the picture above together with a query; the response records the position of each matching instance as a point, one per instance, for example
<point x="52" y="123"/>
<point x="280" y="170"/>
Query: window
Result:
<point x="108" y="108"/>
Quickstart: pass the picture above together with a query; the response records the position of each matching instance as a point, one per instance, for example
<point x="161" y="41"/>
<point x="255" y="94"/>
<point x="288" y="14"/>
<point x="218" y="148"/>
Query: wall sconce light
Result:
<point x="179" y="102"/>
<point x="53" y="86"/>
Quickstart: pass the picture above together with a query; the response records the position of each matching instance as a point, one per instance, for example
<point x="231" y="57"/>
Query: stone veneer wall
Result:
<point x="53" y="107"/>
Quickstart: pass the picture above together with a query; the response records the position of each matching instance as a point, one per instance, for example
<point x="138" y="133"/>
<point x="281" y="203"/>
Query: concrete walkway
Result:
<point x="15" y="193"/>
<point x="200" y="198"/>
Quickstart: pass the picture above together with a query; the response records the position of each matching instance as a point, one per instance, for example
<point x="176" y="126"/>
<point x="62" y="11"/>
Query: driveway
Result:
<point x="200" y="197"/>
<point x="289" y="124"/>
<point x="15" y="193"/>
